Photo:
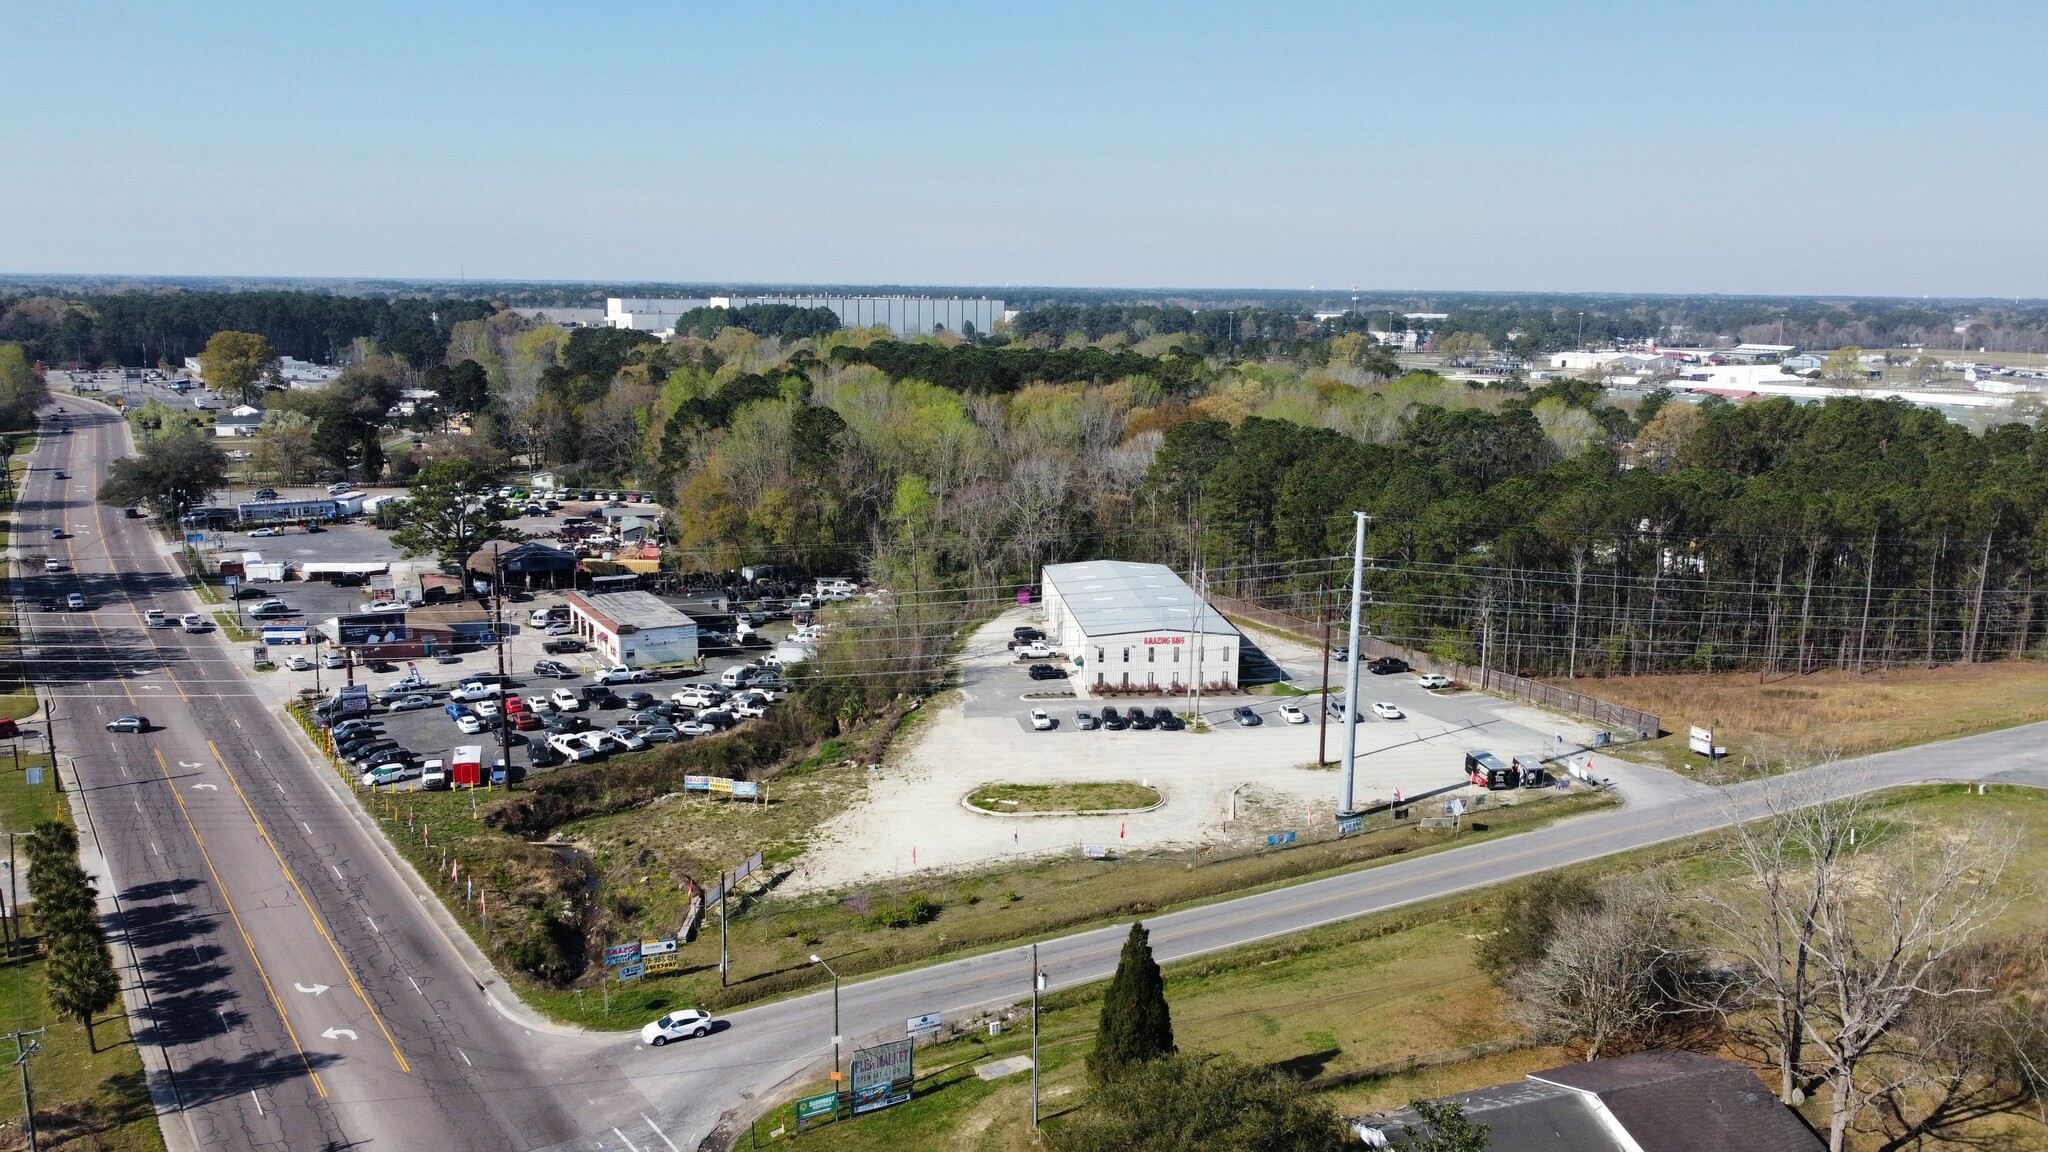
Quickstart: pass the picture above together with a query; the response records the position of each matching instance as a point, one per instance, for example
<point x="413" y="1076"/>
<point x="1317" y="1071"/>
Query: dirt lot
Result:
<point x="1802" y="719"/>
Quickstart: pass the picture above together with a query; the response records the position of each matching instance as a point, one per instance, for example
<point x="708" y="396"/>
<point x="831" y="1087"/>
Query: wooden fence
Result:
<point x="1606" y="713"/>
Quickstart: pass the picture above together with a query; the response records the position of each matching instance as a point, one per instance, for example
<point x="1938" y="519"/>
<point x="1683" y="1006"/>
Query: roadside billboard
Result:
<point x="367" y="628"/>
<point x="882" y="1075"/>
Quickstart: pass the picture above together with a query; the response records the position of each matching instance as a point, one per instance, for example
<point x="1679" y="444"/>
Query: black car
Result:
<point x="567" y="722"/>
<point x="47" y="604"/>
<point x="561" y="645"/>
<point x="543" y="755"/>
<point x="1027" y="634"/>
<point x="1139" y="721"/>
<point x="251" y="592"/>
<point x="1113" y="719"/>
<point x="1166" y="720"/>
<point x="553" y="668"/>
<point x="1386" y="666"/>
<point x="639" y="700"/>
<point x="1047" y="672"/>
<point x="1246" y="717"/>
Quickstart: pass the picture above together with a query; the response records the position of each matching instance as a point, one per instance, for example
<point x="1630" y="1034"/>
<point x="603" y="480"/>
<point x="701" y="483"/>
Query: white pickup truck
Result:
<point x="620" y="674"/>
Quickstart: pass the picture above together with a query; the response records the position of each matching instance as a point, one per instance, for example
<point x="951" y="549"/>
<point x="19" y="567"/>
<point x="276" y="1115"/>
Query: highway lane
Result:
<point x="763" y="1047"/>
<point x="301" y="995"/>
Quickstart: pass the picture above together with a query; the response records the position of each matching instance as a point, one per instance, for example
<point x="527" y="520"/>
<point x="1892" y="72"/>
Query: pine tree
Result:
<point x="1136" y="1024"/>
<point x="82" y="982"/>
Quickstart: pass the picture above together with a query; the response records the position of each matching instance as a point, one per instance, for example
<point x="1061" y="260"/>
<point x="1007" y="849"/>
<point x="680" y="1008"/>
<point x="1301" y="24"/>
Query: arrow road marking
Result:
<point x="206" y="787"/>
<point x="150" y="687"/>
<point x="331" y="1033"/>
<point x="189" y="764"/>
<point x="315" y="990"/>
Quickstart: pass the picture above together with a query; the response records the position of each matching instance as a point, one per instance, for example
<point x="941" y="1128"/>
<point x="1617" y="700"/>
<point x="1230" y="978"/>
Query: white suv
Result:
<point x="566" y="700"/>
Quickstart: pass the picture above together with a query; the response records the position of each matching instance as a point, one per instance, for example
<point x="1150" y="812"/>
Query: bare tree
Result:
<point x="1845" y="929"/>
<point x="1613" y="972"/>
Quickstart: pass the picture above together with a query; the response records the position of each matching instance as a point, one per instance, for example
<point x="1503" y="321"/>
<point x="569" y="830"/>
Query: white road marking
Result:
<point x="415" y="985"/>
<point x="658" y="1132"/>
<point x="280" y="788"/>
<point x="465" y="1057"/>
<point x="337" y="874"/>
<point x="373" y="926"/>
<point x="206" y="787"/>
<point x="307" y="827"/>
<point x="155" y="849"/>
<point x="137" y="803"/>
<point x="629" y="1143"/>
<point x="189" y="764"/>
<point x="334" y="1033"/>
<point x="224" y="1025"/>
<point x="315" y="990"/>
<point x="259" y="1103"/>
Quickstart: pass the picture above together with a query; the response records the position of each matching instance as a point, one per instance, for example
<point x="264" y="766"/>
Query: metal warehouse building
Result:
<point x="1131" y="625"/>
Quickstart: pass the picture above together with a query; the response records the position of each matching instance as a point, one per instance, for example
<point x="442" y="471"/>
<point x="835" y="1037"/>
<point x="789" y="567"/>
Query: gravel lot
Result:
<point x="912" y="819"/>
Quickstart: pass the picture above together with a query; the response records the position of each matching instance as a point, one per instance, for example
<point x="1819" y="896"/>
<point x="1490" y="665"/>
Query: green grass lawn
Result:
<point x="84" y="1099"/>
<point x="1100" y="796"/>
<point x="1371" y="1013"/>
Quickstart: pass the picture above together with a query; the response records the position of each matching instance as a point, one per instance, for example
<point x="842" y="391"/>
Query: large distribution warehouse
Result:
<point x="1129" y="625"/>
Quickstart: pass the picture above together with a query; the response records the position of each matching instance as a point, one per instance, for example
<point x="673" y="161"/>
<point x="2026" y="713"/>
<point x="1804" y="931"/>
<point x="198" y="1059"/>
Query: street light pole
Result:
<point x="1037" y="985"/>
<point x="837" y="1082"/>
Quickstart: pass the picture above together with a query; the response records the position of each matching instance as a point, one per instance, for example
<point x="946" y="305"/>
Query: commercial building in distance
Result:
<point x="633" y="628"/>
<point x="902" y="315"/>
<point x="1128" y="625"/>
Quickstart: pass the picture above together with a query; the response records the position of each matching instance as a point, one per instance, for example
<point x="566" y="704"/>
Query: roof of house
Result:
<point x="526" y="556"/>
<point x="628" y="612"/>
<point x="1107" y="597"/>
<point x="1675" y="1101"/>
<point x="1659" y="1101"/>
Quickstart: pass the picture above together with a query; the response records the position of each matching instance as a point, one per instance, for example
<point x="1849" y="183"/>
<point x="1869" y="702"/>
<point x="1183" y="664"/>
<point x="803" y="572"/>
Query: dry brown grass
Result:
<point x="1801" y="719"/>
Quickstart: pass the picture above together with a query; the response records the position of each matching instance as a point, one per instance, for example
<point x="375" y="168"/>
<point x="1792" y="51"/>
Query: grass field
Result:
<point x="84" y="1100"/>
<point x="1096" y="796"/>
<point x="1804" y="719"/>
<point x="1370" y="1014"/>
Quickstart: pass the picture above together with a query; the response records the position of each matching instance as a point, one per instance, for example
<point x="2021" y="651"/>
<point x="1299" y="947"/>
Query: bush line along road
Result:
<point x="299" y="990"/>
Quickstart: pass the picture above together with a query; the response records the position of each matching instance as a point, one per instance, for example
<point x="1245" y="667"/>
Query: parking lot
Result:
<point x="1231" y="781"/>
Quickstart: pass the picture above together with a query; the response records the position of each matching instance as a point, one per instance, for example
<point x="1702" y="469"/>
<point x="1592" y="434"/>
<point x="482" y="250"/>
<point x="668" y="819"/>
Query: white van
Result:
<point x="155" y="618"/>
<point x="433" y="775"/>
<point x="736" y="677"/>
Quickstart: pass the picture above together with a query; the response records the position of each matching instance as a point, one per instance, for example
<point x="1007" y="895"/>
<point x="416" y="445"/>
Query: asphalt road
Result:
<point x="295" y="988"/>
<point x="305" y="998"/>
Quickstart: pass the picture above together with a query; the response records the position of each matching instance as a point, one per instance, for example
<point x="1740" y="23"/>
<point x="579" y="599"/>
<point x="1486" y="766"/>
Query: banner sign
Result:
<point x="696" y="783"/>
<point x="882" y="1075"/>
<point x="1276" y="839"/>
<point x="721" y="786"/>
<point x="631" y="972"/>
<point x="369" y="628"/>
<point x="1350" y="825"/>
<point x="747" y="788"/>
<point x="925" y="1025"/>
<point x="616" y="954"/>
<point x="811" y="1109"/>
<point x="1094" y="851"/>
<point x="715" y="893"/>
<point x="667" y="962"/>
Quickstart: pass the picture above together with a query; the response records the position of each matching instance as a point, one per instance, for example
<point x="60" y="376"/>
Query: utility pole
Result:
<point x="28" y="1102"/>
<point x="1037" y="986"/>
<point x="837" y="1082"/>
<point x="498" y="630"/>
<point x="1347" y="778"/>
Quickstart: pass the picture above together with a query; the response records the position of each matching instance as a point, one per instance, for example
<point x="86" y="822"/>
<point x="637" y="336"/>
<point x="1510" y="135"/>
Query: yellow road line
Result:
<point x="282" y="1016"/>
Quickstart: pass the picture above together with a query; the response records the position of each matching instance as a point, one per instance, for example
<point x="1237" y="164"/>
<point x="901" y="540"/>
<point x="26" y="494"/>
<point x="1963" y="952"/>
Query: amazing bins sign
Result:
<point x="881" y="1076"/>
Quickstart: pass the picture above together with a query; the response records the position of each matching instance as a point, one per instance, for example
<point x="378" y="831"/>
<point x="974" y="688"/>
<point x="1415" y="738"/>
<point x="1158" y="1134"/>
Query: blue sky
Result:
<point x="1789" y="147"/>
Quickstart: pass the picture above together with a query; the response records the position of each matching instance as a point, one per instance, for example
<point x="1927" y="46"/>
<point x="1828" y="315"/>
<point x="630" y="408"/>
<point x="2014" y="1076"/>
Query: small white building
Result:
<point x="633" y="628"/>
<point x="1128" y="625"/>
<point x="239" y="421"/>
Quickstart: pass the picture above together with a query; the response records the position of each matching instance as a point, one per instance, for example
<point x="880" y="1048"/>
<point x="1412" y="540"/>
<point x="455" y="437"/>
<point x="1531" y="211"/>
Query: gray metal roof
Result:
<point x="631" y="611"/>
<point x="1107" y="597"/>
<point x="1525" y="1116"/>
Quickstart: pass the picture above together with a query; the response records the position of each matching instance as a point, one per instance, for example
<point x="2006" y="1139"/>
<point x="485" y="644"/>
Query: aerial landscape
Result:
<point x="1092" y="578"/>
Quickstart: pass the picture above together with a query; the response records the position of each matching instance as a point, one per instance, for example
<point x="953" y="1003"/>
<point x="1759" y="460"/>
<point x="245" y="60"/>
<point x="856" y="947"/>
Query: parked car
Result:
<point x="348" y="728"/>
<point x="1027" y="633"/>
<point x="332" y="660"/>
<point x="412" y="703"/>
<point x="266" y="493"/>
<point x="1140" y="721"/>
<point x="676" y="1025"/>
<point x="563" y="646"/>
<point x="264" y="533"/>
<point x="639" y="700"/>
<point x="1433" y="680"/>
<point x="1245" y="717"/>
<point x="1113" y="719"/>
<point x="620" y="674"/>
<point x="1340" y="655"/>
<point x="1036" y="650"/>
<point x="470" y="691"/>
<point x="390" y="773"/>
<point x="566" y="723"/>
<point x="1047" y="672"/>
<point x="1040" y="721"/>
<point x="1387" y="711"/>
<point x="695" y="728"/>
<point x="1386" y="666"/>
<point x="1166" y="720"/>
<point x="660" y="734"/>
<point x="626" y="738"/>
<point x="545" y="755"/>
<point x="553" y="668"/>
<point x="272" y="608"/>
<point x="129" y="724"/>
<point x="566" y="700"/>
<point x="1292" y="714"/>
<point x="469" y="724"/>
<point x="1085" y="720"/>
<point x="300" y="664"/>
